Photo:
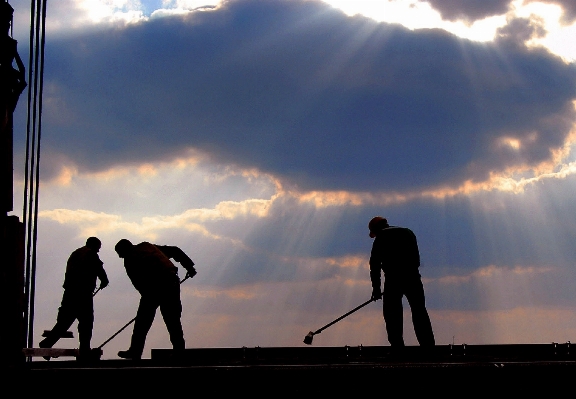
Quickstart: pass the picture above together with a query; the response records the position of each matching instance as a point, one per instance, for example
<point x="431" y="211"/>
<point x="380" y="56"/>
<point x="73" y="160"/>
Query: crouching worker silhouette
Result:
<point x="82" y="269"/>
<point x="156" y="278"/>
<point x="395" y="251"/>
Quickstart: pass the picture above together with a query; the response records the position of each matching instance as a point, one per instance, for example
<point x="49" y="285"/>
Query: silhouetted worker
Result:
<point x="156" y="278"/>
<point x="395" y="251"/>
<point x="83" y="268"/>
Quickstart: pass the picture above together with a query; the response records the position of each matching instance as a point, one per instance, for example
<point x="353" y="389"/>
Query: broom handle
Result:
<point x="343" y="316"/>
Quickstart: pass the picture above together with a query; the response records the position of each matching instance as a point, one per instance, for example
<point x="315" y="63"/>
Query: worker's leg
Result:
<point x="66" y="316"/>
<point x="85" y="322"/>
<point x="144" y="318"/>
<point x="393" y="312"/>
<point x="420" y="319"/>
<point x="171" y="309"/>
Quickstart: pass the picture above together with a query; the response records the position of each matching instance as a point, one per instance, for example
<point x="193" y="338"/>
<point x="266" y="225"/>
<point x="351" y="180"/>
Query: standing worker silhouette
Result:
<point x="82" y="269"/>
<point x="395" y="251"/>
<point x="156" y="278"/>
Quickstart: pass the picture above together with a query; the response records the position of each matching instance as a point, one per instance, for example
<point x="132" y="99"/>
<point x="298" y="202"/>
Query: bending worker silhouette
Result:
<point x="395" y="251"/>
<point x="82" y="269"/>
<point x="156" y="278"/>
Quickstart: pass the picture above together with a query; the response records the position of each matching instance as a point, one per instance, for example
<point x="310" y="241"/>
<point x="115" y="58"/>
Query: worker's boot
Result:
<point x="48" y="342"/>
<point x="84" y="354"/>
<point x="129" y="355"/>
<point x="88" y="355"/>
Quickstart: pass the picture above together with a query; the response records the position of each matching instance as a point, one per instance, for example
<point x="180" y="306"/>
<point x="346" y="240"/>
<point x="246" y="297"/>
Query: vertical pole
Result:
<point x="32" y="169"/>
<point x="39" y="81"/>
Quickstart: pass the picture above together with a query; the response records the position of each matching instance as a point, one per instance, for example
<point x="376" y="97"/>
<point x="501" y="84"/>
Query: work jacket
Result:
<point x="82" y="269"/>
<point x="394" y="251"/>
<point x="149" y="267"/>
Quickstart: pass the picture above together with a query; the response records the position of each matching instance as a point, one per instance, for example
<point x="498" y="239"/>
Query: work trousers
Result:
<point x="409" y="285"/>
<point x="74" y="306"/>
<point x="168" y="299"/>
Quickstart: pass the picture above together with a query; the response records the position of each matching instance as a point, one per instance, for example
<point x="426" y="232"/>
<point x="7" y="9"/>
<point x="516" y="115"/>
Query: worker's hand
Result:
<point x="376" y="294"/>
<point x="190" y="273"/>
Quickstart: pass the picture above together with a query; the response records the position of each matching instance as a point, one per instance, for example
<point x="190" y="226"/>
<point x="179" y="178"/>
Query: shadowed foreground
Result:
<point x="448" y="370"/>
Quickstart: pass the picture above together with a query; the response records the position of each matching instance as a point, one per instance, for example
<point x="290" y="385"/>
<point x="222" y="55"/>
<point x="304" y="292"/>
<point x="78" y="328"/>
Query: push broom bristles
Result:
<point x="308" y="338"/>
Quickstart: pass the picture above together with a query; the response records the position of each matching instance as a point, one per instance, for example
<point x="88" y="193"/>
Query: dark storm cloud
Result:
<point x="520" y="30"/>
<point x="469" y="10"/>
<point x="300" y="90"/>
<point x="473" y="10"/>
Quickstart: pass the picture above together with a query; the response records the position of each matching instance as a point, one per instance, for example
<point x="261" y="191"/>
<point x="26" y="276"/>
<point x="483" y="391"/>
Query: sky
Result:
<point x="261" y="136"/>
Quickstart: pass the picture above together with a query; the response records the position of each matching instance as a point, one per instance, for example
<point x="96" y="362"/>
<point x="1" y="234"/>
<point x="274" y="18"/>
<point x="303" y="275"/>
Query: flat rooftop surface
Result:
<point x="311" y="371"/>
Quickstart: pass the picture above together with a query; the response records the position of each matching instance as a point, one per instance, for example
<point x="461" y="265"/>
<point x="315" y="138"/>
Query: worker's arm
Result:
<point x="94" y="259"/>
<point x="103" y="277"/>
<point x="376" y="271"/>
<point x="179" y="256"/>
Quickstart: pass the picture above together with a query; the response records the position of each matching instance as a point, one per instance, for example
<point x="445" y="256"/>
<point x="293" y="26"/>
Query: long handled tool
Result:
<point x="130" y="322"/>
<point x="308" y="338"/>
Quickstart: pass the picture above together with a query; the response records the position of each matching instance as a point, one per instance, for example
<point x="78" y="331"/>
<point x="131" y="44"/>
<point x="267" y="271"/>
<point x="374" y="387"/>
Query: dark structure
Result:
<point x="12" y="298"/>
<point x="12" y="83"/>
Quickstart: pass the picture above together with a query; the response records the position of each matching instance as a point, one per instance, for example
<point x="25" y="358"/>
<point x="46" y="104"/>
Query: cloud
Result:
<point x="94" y="223"/>
<point x="318" y="99"/>
<point x="523" y="324"/>
<point x="470" y="10"/>
<point x="65" y="16"/>
<point x="491" y="272"/>
<point x="521" y="30"/>
<point x="241" y="260"/>
<point x="242" y="217"/>
<point x="568" y="8"/>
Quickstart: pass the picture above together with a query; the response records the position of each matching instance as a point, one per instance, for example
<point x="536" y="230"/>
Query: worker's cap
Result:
<point x="376" y="224"/>
<point x="93" y="242"/>
<point x="123" y="247"/>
